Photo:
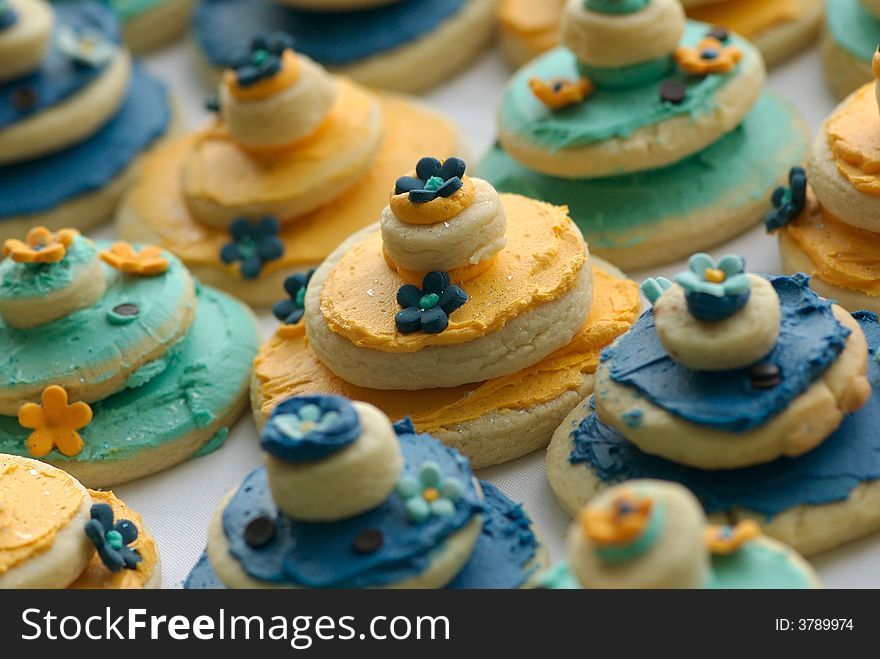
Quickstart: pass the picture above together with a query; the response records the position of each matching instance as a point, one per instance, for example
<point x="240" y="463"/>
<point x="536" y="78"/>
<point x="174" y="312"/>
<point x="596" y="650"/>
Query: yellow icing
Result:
<point x="464" y="274"/>
<point x="541" y="262"/>
<point x="853" y="134"/>
<point x="843" y="255"/>
<point x="747" y="17"/>
<point x="536" y="22"/>
<point x="158" y="197"/>
<point x="437" y="210"/>
<point x="36" y="502"/>
<point x="220" y="170"/>
<point x="284" y="79"/>
<point x="285" y="366"/>
<point x="96" y="575"/>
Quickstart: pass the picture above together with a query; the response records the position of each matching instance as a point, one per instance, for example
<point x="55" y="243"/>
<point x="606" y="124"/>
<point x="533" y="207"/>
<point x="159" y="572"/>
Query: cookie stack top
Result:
<point x="114" y="353"/>
<point x="827" y="217"/>
<point x="345" y="500"/>
<point x="54" y="533"/>
<point x="74" y="113"/>
<point x="653" y="534"/>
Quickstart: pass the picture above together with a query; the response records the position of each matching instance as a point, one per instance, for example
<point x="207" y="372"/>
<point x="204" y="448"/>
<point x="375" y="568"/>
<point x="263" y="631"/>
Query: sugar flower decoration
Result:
<point x="428" y="308"/>
<point x="262" y="60"/>
<point x="715" y="292"/>
<point x="728" y="539"/>
<point x="146" y="262"/>
<point x="87" y="48"/>
<point x="788" y="202"/>
<point x="710" y="56"/>
<point x="40" y="246"/>
<point x="8" y="17"/>
<point x="623" y="522"/>
<point x="429" y="493"/>
<point x="308" y="428"/>
<point x="433" y="179"/>
<point x="54" y="423"/>
<point x="560" y="93"/>
<point x="112" y="539"/>
<point x="292" y="310"/>
<point x="253" y="245"/>
<point x="653" y="288"/>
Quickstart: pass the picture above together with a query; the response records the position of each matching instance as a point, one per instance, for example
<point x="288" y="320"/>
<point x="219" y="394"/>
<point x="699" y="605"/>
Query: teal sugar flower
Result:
<point x="87" y="48"/>
<point x="308" y="418"/>
<point x="653" y="288"/>
<point x="429" y="493"/>
<point x="715" y="291"/>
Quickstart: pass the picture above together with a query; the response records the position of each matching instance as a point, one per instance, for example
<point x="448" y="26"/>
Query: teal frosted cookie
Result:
<point x="118" y="364"/>
<point x="652" y="534"/>
<point x="849" y="40"/>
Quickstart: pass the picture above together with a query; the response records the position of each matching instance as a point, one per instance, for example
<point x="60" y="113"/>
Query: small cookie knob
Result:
<point x="329" y="459"/>
<point x="25" y="34"/>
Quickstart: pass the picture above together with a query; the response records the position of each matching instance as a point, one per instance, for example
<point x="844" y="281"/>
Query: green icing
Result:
<point x="853" y="28"/>
<point x="205" y="375"/>
<point x="147" y="372"/>
<point x="627" y="77"/>
<point x="28" y="280"/>
<point x="743" y="166"/>
<point x="83" y="342"/>
<point x="607" y="113"/>
<point x="213" y="444"/>
<point x="558" y="577"/>
<point x="615" y="6"/>
<point x="758" y="565"/>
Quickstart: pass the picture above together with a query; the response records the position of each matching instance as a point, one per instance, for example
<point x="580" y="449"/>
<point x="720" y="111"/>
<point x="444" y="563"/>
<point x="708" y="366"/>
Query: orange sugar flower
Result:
<point x="40" y="246"/>
<point x="561" y="93"/>
<point x="148" y="261"/>
<point x="626" y="520"/>
<point x="710" y="56"/>
<point x="727" y="539"/>
<point x="54" y="423"/>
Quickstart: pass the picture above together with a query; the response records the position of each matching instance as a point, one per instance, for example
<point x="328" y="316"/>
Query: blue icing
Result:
<point x="828" y="473"/>
<point x="58" y="76"/>
<point x="500" y="558"/>
<point x="309" y="428"/>
<point x="810" y="339"/>
<point x="40" y="185"/>
<point x="333" y="38"/>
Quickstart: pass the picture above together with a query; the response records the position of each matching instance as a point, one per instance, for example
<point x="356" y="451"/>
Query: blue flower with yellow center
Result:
<point x="428" y="308"/>
<point x="253" y="245"/>
<point x="87" y="48"/>
<point x="112" y="539"/>
<point x="309" y="428"/>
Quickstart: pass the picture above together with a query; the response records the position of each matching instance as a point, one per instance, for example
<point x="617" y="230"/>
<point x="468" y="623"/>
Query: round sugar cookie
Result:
<point x="847" y="44"/>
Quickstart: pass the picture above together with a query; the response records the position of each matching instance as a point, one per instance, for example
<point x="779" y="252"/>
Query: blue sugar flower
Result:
<point x="253" y="245"/>
<point x="291" y="310"/>
<point x="8" y="17"/>
<point x="433" y="179"/>
<point x="262" y="60"/>
<point x="653" y="288"/>
<point x="111" y="539"/>
<point x="789" y="202"/>
<point x="428" y="308"/>
<point x="715" y="292"/>
<point x="88" y="48"/>
<point x="308" y="428"/>
<point x="429" y="493"/>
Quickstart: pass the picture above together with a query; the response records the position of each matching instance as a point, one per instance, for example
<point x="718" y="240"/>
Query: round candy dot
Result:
<point x="368" y="541"/>
<point x="301" y="297"/>
<point x="259" y="532"/>
<point x="673" y="91"/>
<point x="429" y="301"/>
<point x="24" y="98"/>
<point x="114" y="539"/>
<point x="709" y="53"/>
<point x="127" y="309"/>
<point x="720" y="33"/>
<point x="765" y="376"/>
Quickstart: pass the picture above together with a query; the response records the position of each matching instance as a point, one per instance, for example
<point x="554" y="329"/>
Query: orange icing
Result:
<point x="541" y="262"/>
<point x="853" y="134"/>
<point x="158" y="196"/>
<point x="36" y="502"/>
<point x="96" y="574"/>
<point x="284" y="79"/>
<point x="625" y="521"/>
<point x="536" y="22"/>
<point x="220" y="170"/>
<point x="285" y="366"/>
<point x="747" y="17"/>
<point x="843" y="255"/>
<point x="437" y="210"/>
<point x="464" y="274"/>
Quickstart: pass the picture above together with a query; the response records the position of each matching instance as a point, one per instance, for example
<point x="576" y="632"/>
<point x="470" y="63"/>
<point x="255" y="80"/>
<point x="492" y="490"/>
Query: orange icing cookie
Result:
<point x="854" y="139"/>
<point x="433" y="212"/>
<point x="267" y="87"/>
<point x="34" y="505"/>
<point x="286" y="367"/>
<point x="220" y="170"/>
<point x="534" y="21"/>
<point x="96" y="574"/>
<point x="410" y="132"/>
<point x="747" y="17"/>
<point x="843" y="255"/>
<point x="541" y="262"/>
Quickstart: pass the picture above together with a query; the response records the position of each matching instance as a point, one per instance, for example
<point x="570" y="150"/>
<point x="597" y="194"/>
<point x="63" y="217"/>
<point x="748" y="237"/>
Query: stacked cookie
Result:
<point x="296" y="161"/>
<point x="478" y="315"/>
<point x="650" y="534"/>
<point x="75" y="115"/>
<point x="403" y="45"/>
<point x="118" y="364"/>
<point x="345" y="500"/>
<point x="54" y="533"/>
<point x="850" y="37"/>
<point x="652" y="130"/>
<point x="828" y="228"/>
<point x="753" y="392"/>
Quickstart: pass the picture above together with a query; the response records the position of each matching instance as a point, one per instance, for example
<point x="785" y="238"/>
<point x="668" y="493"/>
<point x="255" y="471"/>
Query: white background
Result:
<point x="178" y="503"/>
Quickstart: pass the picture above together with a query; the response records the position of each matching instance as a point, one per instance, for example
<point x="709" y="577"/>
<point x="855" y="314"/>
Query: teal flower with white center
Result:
<point x="308" y="418"/>
<point x="85" y="47"/>
<point x="429" y="493"/>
